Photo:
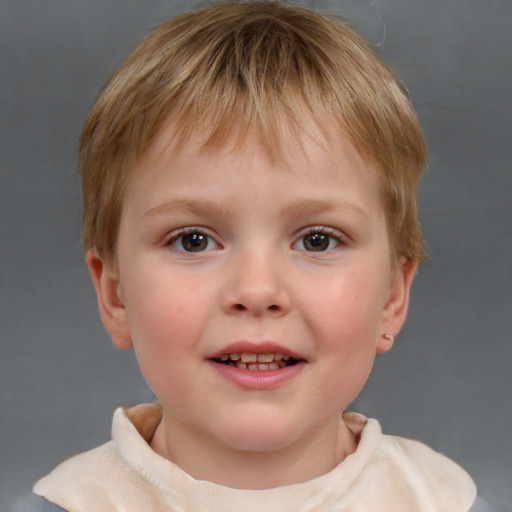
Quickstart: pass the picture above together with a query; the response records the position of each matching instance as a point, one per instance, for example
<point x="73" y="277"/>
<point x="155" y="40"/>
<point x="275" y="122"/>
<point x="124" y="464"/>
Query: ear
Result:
<point x="110" y="301"/>
<point x="395" y="309"/>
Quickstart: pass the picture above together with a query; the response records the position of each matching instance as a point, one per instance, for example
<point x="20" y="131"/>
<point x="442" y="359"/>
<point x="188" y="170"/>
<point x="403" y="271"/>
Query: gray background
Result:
<point x="448" y="379"/>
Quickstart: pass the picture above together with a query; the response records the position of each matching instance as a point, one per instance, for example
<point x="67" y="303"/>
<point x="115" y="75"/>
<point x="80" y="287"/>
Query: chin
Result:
<point x="260" y="437"/>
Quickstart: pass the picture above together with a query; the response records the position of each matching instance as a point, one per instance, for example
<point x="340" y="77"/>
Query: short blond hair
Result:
<point x="236" y="68"/>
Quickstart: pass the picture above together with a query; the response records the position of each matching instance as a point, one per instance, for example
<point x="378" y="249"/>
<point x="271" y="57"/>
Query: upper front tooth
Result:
<point x="265" y="358"/>
<point x="234" y="357"/>
<point x="249" y="358"/>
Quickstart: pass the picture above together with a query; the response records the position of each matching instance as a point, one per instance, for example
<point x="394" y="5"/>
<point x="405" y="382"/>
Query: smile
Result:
<point x="256" y="362"/>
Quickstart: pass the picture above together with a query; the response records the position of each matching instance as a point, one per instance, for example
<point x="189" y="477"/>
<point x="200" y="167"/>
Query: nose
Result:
<point x="256" y="287"/>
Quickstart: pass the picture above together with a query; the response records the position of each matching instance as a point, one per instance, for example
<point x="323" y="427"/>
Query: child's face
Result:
<point x="223" y="253"/>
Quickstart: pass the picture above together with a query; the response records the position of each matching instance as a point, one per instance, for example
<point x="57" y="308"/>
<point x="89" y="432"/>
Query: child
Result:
<point x="250" y="227"/>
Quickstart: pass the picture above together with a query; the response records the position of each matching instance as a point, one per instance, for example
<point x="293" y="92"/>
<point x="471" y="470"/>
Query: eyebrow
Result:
<point x="316" y="206"/>
<point x="204" y="207"/>
<point x="209" y="208"/>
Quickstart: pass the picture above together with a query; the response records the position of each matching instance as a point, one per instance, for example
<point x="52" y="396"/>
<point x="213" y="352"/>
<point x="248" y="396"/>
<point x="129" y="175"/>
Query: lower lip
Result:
<point x="258" y="379"/>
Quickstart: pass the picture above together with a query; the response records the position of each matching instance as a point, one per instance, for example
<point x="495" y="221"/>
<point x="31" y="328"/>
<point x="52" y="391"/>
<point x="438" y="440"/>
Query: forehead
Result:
<point x="311" y="170"/>
<point x="295" y="147"/>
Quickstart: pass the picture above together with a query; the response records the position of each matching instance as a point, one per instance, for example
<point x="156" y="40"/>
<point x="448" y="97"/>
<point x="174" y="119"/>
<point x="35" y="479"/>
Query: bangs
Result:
<point x="239" y="70"/>
<point x="228" y="76"/>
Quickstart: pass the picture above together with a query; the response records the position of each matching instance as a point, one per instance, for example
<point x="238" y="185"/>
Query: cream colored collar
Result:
<point x="385" y="474"/>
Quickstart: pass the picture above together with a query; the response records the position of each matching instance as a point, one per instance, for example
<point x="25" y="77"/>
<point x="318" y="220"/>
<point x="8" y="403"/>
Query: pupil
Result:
<point x="317" y="242"/>
<point x="194" y="242"/>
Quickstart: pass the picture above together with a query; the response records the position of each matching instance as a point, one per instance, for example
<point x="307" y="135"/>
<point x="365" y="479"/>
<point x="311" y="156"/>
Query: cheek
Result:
<point x="162" y="302"/>
<point x="164" y="317"/>
<point x="165" y="340"/>
<point x="347" y="308"/>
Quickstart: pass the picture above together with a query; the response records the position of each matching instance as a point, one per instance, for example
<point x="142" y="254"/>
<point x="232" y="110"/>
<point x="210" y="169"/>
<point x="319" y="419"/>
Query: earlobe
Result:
<point x="395" y="309"/>
<point x="110" y="299"/>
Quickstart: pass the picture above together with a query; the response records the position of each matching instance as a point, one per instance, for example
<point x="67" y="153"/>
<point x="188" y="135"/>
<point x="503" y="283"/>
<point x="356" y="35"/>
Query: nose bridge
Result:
<point x="257" y="283"/>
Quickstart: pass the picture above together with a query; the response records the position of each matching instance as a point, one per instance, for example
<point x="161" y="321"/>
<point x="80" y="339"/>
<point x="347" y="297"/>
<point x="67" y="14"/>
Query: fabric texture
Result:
<point x="40" y="504"/>
<point x="384" y="474"/>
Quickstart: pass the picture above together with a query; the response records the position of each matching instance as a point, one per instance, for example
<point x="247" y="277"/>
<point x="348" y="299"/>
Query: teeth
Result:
<point x="258" y="366"/>
<point x="252" y="361"/>
<point x="249" y="358"/>
<point x="263" y="367"/>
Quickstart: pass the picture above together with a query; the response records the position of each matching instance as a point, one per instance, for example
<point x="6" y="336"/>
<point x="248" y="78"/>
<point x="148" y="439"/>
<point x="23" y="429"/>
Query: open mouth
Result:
<point x="259" y="362"/>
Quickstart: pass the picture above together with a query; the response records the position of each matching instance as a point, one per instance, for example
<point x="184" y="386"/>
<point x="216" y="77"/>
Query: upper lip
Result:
<point x="262" y="347"/>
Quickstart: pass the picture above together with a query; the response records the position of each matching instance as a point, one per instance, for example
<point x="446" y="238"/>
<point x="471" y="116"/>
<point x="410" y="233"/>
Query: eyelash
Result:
<point x="332" y="234"/>
<point x="326" y="234"/>
<point x="181" y="233"/>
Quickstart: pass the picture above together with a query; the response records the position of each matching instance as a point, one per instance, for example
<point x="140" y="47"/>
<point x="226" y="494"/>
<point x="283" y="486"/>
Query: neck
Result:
<point x="312" y="456"/>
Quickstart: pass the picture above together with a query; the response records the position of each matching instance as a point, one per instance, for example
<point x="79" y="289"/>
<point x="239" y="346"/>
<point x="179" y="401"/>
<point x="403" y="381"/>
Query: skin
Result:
<point x="255" y="281"/>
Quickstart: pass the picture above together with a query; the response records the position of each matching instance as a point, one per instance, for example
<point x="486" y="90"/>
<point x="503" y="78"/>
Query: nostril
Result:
<point x="241" y="307"/>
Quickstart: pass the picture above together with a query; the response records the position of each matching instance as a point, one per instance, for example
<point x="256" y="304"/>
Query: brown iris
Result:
<point x="316" y="242"/>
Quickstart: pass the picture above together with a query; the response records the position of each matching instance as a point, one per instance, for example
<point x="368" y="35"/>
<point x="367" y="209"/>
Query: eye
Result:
<point x="192" y="241"/>
<point x="318" y="240"/>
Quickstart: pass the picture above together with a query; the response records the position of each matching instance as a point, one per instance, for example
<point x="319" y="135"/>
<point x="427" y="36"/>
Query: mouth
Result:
<point x="256" y="362"/>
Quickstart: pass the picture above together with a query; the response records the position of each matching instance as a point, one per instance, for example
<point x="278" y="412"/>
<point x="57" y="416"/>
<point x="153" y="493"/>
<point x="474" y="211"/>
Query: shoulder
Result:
<point x="89" y="462"/>
<point x="434" y="476"/>
<point x="432" y="465"/>
<point x="112" y="472"/>
<point x="83" y="474"/>
<point x="443" y="472"/>
<point x="420" y="476"/>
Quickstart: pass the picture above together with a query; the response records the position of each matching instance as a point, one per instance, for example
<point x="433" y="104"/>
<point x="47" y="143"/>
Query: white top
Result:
<point x="384" y="474"/>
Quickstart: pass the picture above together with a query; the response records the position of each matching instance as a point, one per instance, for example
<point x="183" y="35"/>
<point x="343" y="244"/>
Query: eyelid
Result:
<point x="332" y="232"/>
<point x="341" y="239"/>
<point x="176" y="234"/>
